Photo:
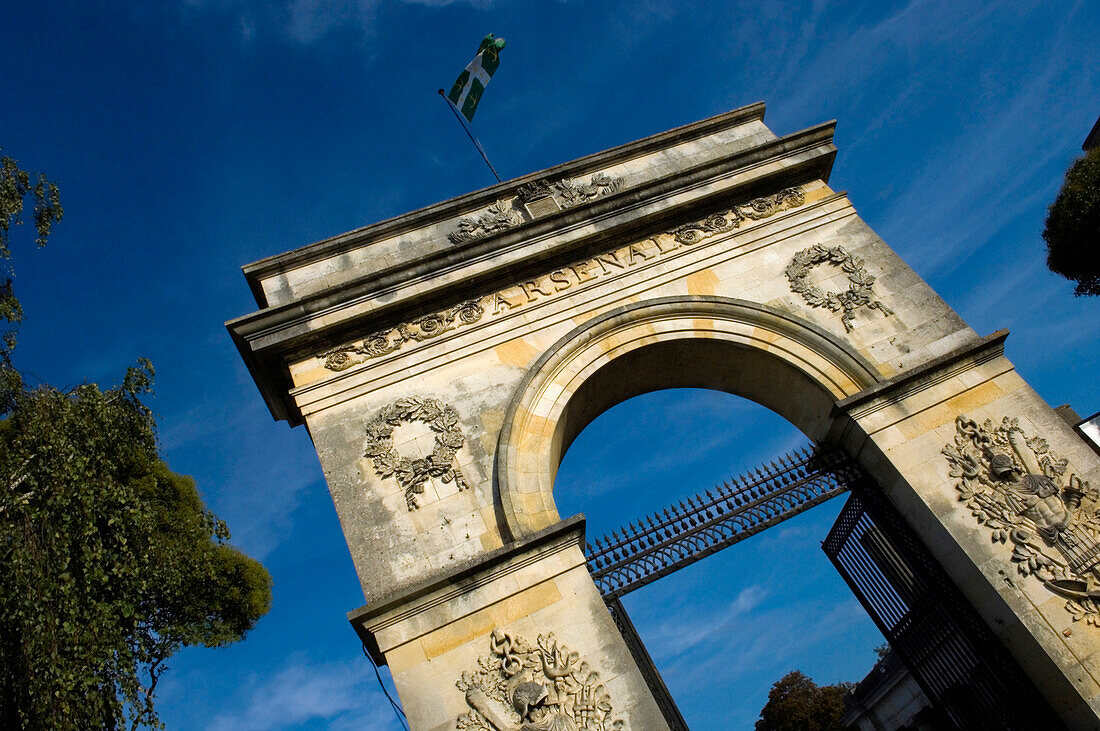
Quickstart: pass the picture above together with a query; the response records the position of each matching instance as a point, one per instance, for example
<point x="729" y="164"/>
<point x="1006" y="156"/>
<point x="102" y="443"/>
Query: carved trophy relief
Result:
<point x="545" y="687"/>
<point x="500" y="216"/>
<point x="569" y="193"/>
<point x="411" y="474"/>
<point x="860" y="283"/>
<point x="1018" y="489"/>
<point x="503" y="214"/>
<point x="534" y="191"/>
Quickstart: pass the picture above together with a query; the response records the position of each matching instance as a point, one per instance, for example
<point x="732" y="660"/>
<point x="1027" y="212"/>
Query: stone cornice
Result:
<point x="923" y="376"/>
<point x="315" y="395"/>
<point x="486" y="569"/>
<point x="267" y="338"/>
<point x="336" y="245"/>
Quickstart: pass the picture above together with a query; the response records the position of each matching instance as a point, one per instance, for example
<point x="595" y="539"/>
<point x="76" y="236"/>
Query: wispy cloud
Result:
<point x="673" y="638"/>
<point x="770" y="643"/>
<point x="339" y="694"/>
<point x="251" y="471"/>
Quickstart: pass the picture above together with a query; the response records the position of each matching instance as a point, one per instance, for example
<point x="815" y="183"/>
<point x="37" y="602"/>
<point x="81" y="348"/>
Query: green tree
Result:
<point x="1072" y="229"/>
<point x="109" y="561"/>
<point x="797" y="703"/>
<point x="15" y="186"/>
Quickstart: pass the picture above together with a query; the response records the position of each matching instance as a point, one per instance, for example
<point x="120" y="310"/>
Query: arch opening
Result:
<point x="746" y="349"/>
<point x="696" y="363"/>
<point x="748" y="614"/>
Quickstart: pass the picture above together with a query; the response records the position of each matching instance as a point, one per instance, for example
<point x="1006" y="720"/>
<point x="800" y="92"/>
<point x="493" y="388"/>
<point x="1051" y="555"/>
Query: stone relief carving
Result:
<point x="770" y="205"/>
<point x="503" y="215"/>
<point x="546" y="687"/>
<point x="756" y="209"/>
<point x="690" y="233"/>
<point x="500" y="216"/>
<point x="419" y="330"/>
<point x="1014" y="486"/>
<point x="858" y="294"/>
<point x="533" y="191"/>
<point x="570" y="193"/>
<point x="411" y="474"/>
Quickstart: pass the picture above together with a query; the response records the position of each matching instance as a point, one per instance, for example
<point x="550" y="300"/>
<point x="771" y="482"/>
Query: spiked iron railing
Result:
<point x="682" y="534"/>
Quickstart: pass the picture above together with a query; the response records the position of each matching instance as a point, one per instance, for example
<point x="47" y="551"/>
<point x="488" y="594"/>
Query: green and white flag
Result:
<point x="471" y="83"/>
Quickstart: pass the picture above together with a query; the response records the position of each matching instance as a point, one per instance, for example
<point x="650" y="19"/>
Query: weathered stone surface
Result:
<point x="442" y="380"/>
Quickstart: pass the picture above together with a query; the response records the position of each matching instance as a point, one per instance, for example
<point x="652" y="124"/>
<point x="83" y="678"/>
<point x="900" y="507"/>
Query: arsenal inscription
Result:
<point x="559" y="281"/>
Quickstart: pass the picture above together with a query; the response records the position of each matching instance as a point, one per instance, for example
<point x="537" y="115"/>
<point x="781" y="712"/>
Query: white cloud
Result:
<point x="805" y="633"/>
<point x="252" y="472"/>
<point x="309" y="20"/>
<point x="344" y="695"/>
<point x="674" y="638"/>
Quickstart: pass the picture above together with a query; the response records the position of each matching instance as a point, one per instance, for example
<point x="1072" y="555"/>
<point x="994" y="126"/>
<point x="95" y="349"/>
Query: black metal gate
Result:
<point x="649" y="671"/>
<point x="952" y="654"/>
<point x="702" y="525"/>
<point x="948" y="648"/>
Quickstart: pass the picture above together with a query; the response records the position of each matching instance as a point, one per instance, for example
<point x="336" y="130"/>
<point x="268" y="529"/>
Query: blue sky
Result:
<point x="192" y="136"/>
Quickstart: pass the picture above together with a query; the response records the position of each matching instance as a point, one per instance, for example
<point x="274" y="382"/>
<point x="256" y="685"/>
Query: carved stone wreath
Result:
<point x="388" y="341"/>
<point x="1014" y="486"/>
<point x="411" y="474"/>
<point x="860" y="288"/>
<point x="546" y="687"/>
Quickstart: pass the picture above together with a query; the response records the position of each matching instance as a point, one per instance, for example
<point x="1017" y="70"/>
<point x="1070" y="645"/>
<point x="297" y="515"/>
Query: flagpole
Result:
<point x="469" y="134"/>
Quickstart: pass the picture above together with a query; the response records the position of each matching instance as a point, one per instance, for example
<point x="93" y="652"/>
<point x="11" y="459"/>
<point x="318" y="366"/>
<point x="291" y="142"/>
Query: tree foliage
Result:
<point x="16" y="185"/>
<point x="109" y="561"/>
<point x="797" y="703"/>
<point x="1072" y="228"/>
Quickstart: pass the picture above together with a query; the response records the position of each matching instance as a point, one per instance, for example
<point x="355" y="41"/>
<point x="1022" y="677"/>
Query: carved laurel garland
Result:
<point x="546" y="687"/>
<point x="411" y="474"/>
<point x="419" y="330"/>
<point x="1013" y="485"/>
<point x="756" y="209"/>
<point x="859" y="290"/>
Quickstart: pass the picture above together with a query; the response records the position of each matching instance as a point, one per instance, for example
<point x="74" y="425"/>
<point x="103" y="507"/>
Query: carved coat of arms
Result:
<point x="1018" y="488"/>
<point x="545" y="687"/>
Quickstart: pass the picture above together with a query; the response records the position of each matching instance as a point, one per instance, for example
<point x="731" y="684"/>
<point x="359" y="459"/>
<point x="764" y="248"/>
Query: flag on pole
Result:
<point x="471" y="83"/>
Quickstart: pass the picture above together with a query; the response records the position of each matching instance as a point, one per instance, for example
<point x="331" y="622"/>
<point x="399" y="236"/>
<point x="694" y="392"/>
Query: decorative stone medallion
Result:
<point x="1014" y="486"/>
<point x="858" y="294"/>
<point x="411" y="474"/>
<point x="546" y="687"/>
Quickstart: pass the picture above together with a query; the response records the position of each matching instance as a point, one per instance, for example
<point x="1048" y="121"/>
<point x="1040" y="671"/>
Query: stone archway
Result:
<point x="715" y="254"/>
<point x="751" y="350"/>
